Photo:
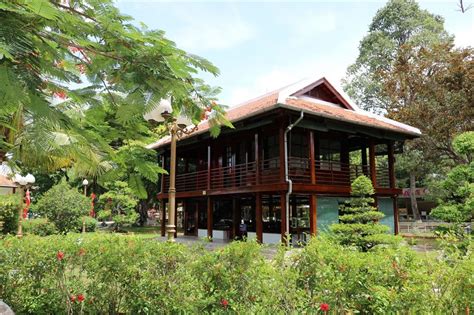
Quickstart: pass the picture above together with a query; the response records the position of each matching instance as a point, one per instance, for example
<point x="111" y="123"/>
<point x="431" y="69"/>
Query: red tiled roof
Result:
<point x="312" y="107"/>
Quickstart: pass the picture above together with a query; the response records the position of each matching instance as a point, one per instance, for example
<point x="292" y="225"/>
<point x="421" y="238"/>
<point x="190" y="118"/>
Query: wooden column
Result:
<point x="208" y="166"/>
<point x="283" y="217"/>
<point x="312" y="165"/>
<point x="196" y="219"/>
<point x="391" y="165"/>
<point x="258" y="217"/>
<point x="313" y="215"/>
<point x="163" y="217"/>
<point x="373" y="170"/>
<point x="395" y="214"/>
<point x="257" y="160"/>
<point x="281" y="143"/>
<point x="209" y="217"/>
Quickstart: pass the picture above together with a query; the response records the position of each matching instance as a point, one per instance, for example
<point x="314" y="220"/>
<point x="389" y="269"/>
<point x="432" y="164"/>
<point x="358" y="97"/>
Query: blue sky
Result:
<point x="261" y="46"/>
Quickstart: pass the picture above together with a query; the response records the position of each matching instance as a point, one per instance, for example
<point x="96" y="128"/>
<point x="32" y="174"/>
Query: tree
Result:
<point x="119" y="203"/>
<point x="359" y="224"/>
<point x="455" y="193"/>
<point x="397" y="24"/>
<point x="64" y="206"/>
<point x="58" y="58"/>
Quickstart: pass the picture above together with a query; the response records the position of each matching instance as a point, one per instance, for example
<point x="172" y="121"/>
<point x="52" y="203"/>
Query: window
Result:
<point x="271" y="152"/>
<point x="299" y="144"/>
<point x="330" y="154"/>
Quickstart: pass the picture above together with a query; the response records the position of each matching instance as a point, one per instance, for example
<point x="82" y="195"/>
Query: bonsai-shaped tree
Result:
<point x="119" y="203"/>
<point x="358" y="223"/>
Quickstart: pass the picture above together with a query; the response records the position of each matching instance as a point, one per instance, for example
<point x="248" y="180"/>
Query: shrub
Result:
<point x="120" y="202"/>
<point x="39" y="226"/>
<point x="90" y="224"/>
<point x="9" y="210"/>
<point x="359" y="224"/>
<point x="63" y="206"/>
<point x="102" y="273"/>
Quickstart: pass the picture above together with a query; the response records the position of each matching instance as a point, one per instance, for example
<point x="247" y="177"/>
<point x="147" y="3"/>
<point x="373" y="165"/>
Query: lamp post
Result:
<point x="177" y="127"/>
<point x="85" y="182"/>
<point x="25" y="183"/>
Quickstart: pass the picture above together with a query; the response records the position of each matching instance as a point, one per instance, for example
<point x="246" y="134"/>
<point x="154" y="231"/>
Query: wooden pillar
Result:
<point x="373" y="170"/>
<point x="312" y="165"/>
<point x="395" y="214"/>
<point x="257" y="160"/>
<point x="258" y="217"/>
<point x="391" y="165"/>
<point x="313" y="215"/>
<point x="163" y="217"/>
<point x="281" y="143"/>
<point x="209" y="217"/>
<point x="196" y="218"/>
<point x="283" y="217"/>
<point x="208" y="166"/>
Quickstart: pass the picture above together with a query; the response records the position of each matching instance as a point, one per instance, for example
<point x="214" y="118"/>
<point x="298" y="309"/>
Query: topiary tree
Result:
<point x="119" y="203"/>
<point x="63" y="206"/>
<point x="358" y="223"/>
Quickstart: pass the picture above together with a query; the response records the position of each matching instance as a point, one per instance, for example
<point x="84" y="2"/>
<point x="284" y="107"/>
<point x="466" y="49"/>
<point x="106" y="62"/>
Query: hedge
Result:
<point x="100" y="273"/>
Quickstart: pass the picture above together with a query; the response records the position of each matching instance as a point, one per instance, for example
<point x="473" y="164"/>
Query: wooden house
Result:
<point x="287" y="165"/>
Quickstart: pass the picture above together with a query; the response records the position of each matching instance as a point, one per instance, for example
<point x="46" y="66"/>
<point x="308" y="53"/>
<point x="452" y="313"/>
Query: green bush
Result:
<point x="63" y="206"/>
<point x="39" y="226"/>
<point x="90" y="224"/>
<point x="119" y="202"/>
<point x="123" y="274"/>
<point x="9" y="210"/>
<point x="359" y="221"/>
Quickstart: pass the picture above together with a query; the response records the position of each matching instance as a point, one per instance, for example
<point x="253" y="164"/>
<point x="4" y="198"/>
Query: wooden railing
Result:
<point x="245" y="175"/>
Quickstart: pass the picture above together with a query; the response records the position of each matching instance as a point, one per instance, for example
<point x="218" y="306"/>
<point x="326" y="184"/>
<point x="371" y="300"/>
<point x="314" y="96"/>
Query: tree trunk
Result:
<point x="414" y="204"/>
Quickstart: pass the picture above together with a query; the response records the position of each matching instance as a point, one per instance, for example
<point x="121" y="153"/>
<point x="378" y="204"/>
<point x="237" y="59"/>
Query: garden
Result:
<point x="79" y="81"/>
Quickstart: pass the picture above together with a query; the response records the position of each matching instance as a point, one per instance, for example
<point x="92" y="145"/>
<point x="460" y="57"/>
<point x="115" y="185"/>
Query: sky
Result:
<point x="262" y="46"/>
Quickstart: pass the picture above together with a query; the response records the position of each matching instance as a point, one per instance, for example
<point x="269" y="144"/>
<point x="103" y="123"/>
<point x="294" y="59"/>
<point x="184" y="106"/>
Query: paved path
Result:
<point x="268" y="251"/>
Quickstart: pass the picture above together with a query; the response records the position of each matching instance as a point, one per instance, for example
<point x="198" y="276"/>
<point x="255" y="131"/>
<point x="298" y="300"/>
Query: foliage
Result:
<point x="456" y="191"/>
<point x="101" y="273"/>
<point x="9" y="209"/>
<point x="58" y="59"/>
<point x="398" y="24"/>
<point x="359" y="224"/>
<point x="63" y="206"/>
<point x="39" y="226"/>
<point x="120" y="201"/>
<point x="90" y="224"/>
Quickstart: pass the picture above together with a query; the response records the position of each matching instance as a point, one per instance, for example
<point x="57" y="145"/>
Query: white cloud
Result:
<point x="206" y="30"/>
<point x="284" y="75"/>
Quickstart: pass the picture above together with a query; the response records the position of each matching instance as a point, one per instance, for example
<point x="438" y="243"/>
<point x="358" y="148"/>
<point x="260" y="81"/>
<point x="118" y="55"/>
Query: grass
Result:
<point x="140" y="231"/>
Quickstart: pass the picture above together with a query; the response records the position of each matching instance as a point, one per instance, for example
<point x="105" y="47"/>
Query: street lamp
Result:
<point x="85" y="182"/>
<point x="25" y="183"/>
<point x="177" y="127"/>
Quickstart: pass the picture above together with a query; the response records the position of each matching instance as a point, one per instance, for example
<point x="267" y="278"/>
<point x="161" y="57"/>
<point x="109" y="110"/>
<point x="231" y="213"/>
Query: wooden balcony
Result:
<point x="246" y="176"/>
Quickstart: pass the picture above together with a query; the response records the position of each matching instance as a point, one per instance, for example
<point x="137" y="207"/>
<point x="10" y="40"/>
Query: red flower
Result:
<point x="224" y="303"/>
<point x="80" y="297"/>
<point x="60" y="94"/>
<point x="60" y="255"/>
<point x="72" y="298"/>
<point x="324" y="307"/>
